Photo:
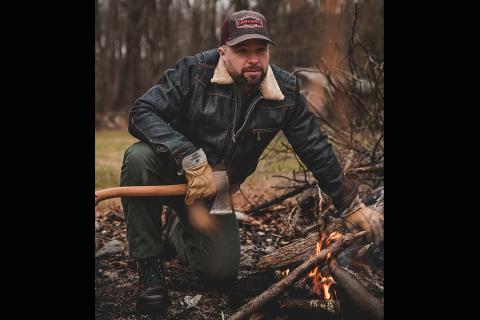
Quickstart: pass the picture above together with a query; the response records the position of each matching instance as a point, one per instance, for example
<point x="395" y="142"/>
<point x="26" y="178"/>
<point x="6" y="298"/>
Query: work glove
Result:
<point x="360" y="218"/>
<point x="199" y="177"/>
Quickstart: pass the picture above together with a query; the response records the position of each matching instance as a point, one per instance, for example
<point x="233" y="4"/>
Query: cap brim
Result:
<point x="244" y="37"/>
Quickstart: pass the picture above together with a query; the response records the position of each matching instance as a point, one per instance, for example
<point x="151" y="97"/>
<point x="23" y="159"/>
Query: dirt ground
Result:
<point x="116" y="278"/>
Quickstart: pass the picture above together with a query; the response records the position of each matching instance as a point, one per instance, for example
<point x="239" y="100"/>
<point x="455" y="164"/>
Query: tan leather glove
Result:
<point x="199" y="177"/>
<point x="361" y="218"/>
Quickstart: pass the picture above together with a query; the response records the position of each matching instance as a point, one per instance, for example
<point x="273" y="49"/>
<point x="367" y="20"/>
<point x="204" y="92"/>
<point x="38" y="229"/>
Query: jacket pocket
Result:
<point x="261" y="134"/>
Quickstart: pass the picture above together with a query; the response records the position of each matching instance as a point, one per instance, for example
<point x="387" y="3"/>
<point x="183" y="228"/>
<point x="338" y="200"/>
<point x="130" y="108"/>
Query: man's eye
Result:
<point x="242" y="51"/>
<point x="262" y="50"/>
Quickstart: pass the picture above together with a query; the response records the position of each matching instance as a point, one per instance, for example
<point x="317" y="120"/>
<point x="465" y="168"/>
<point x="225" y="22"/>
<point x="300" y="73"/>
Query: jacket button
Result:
<point x="162" y="148"/>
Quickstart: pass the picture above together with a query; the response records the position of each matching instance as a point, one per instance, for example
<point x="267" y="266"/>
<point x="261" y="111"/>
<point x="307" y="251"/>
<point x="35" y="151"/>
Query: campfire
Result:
<point x="316" y="276"/>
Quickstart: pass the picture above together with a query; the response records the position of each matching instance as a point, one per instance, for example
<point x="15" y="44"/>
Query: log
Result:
<point x="290" y="254"/>
<point x="359" y="295"/>
<point x="274" y="291"/>
<point x="318" y="307"/>
<point x="295" y="252"/>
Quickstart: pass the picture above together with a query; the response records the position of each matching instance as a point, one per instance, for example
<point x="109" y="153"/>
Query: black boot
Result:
<point x="152" y="297"/>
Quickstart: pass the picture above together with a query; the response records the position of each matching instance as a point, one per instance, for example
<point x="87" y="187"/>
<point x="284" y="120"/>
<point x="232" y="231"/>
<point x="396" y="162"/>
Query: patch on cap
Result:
<point x="249" y="22"/>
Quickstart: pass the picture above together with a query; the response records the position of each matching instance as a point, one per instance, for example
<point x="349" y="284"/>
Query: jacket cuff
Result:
<point x="194" y="160"/>
<point x="353" y="207"/>
<point x="346" y="198"/>
<point x="182" y="152"/>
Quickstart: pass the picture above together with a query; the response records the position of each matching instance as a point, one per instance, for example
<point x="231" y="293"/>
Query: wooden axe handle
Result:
<point x="140" y="191"/>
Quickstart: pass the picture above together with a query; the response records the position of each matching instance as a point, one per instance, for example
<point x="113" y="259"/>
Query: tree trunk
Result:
<point x="130" y="73"/>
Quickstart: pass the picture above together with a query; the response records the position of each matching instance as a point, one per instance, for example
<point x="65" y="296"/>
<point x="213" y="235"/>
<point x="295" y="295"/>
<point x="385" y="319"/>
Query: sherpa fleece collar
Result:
<point x="269" y="86"/>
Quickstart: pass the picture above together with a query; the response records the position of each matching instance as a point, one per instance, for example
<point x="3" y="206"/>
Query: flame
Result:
<point x="333" y="236"/>
<point x="312" y="273"/>
<point x="321" y="284"/>
<point x="285" y="273"/>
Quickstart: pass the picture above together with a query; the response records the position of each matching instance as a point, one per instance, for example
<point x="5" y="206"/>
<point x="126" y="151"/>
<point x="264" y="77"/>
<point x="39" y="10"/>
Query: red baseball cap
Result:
<point x="243" y="25"/>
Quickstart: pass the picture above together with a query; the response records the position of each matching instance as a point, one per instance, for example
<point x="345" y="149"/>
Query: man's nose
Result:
<point x="253" y="58"/>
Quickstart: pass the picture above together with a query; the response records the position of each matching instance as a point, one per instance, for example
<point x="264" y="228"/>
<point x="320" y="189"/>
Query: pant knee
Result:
<point x="138" y="164"/>
<point x="138" y="154"/>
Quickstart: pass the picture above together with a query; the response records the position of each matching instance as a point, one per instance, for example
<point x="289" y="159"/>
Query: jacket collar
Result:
<point x="269" y="86"/>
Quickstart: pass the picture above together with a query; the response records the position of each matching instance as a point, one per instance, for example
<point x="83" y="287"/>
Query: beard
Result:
<point x="241" y="79"/>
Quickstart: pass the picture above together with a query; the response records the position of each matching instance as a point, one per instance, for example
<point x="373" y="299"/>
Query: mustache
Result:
<point x="253" y="68"/>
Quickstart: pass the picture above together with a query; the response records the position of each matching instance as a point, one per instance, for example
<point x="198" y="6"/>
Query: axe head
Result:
<point x="221" y="204"/>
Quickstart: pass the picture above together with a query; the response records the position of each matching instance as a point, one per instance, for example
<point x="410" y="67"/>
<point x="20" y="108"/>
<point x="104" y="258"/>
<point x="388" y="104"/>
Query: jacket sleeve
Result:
<point x="303" y="131"/>
<point x="152" y="115"/>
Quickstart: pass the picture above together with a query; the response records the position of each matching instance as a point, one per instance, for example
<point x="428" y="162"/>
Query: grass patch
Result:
<point x="109" y="149"/>
<point x="274" y="160"/>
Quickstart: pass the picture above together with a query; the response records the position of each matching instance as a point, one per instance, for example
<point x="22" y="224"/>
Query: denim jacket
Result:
<point x="194" y="106"/>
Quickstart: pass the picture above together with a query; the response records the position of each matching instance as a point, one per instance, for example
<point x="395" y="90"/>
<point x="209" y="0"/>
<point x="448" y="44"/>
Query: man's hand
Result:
<point x="199" y="177"/>
<point x="362" y="218"/>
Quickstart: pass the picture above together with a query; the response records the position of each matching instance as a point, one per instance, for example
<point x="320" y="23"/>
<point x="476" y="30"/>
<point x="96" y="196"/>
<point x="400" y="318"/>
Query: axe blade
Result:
<point x="221" y="204"/>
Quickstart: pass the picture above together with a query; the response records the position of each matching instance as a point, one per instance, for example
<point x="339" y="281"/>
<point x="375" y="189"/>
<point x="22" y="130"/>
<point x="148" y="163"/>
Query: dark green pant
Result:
<point x="214" y="256"/>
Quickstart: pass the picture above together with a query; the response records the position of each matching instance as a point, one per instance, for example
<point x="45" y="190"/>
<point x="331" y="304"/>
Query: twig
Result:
<point x="372" y="158"/>
<point x="267" y="204"/>
<point x="376" y="167"/>
<point x="287" y="178"/>
<point x="306" y="230"/>
<point x="284" y="187"/>
<point x="351" y="60"/>
<point x="244" y="196"/>
<point x="104" y="238"/>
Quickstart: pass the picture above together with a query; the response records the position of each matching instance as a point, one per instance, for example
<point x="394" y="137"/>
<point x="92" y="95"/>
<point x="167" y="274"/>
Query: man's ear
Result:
<point x="221" y="51"/>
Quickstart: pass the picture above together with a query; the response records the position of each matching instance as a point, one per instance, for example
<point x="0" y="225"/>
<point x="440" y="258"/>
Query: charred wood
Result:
<point x="359" y="295"/>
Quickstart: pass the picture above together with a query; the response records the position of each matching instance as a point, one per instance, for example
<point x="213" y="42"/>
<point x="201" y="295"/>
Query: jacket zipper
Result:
<point x="230" y="130"/>
<point x="250" y="110"/>
<point x="232" y="151"/>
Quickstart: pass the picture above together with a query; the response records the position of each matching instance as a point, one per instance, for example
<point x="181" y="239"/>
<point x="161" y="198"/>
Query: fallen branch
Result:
<point x="280" y="198"/>
<point x="373" y="168"/>
<point x="352" y="287"/>
<point x="307" y="230"/>
<point x="320" y="308"/>
<point x="278" y="288"/>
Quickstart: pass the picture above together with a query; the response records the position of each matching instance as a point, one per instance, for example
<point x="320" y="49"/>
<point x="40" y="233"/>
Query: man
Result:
<point x="218" y="110"/>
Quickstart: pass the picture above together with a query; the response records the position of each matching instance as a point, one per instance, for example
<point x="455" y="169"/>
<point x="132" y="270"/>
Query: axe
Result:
<point x="221" y="204"/>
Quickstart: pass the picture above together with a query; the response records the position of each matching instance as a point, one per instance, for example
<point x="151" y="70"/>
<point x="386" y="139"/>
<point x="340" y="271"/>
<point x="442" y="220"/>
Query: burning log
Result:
<point x="352" y="287"/>
<point x="293" y="253"/>
<point x="278" y="288"/>
<point x="317" y="307"/>
<point x="290" y="254"/>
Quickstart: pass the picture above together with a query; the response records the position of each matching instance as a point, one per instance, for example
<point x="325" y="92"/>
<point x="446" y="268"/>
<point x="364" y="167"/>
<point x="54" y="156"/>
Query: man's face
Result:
<point x="247" y="61"/>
